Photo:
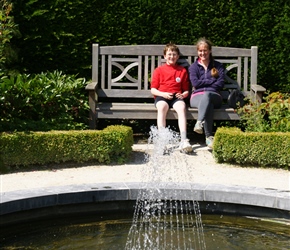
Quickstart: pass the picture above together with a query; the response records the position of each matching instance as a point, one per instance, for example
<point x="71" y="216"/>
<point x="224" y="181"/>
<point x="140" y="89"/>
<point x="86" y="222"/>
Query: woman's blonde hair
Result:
<point x="203" y="40"/>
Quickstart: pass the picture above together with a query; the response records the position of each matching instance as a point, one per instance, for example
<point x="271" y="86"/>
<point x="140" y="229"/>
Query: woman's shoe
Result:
<point x="198" y="128"/>
<point x="209" y="141"/>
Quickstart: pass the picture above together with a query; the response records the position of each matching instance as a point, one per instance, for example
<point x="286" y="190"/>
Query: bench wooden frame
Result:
<point x="120" y="87"/>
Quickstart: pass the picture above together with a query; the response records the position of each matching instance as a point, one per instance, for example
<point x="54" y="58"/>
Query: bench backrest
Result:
<point x="125" y="71"/>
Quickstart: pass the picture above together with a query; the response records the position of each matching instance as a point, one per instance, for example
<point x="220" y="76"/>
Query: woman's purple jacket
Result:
<point x="201" y="79"/>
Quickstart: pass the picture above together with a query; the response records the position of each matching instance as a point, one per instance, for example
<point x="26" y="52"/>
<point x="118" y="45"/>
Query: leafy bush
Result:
<point x="42" y="102"/>
<point x="273" y="115"/>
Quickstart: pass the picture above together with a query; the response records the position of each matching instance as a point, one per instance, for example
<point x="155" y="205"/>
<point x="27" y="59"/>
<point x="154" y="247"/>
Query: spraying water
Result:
<point x="165" y="219"/>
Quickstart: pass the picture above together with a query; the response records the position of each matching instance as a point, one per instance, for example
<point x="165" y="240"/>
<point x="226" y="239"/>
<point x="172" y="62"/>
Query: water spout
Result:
<point x="162" y="220"/>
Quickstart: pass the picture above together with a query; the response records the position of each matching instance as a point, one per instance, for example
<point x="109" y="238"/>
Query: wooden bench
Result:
<point x="120" y="87"/>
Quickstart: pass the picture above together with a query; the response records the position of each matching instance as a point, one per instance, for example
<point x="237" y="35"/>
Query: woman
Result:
<point x="207" y="79"/>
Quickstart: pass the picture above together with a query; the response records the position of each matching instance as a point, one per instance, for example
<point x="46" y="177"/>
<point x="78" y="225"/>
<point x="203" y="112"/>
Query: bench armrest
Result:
<point x="92" y="86"/>
<point x="257" y="92"/>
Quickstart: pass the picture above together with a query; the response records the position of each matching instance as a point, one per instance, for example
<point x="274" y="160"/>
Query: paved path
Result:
<point x="199" y="167"/>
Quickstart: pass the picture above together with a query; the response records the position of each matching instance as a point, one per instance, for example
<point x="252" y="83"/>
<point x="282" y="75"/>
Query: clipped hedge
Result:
<point x="113" y="144"/>
<point x="252" y="148"/>
<point x="45" y="45"/>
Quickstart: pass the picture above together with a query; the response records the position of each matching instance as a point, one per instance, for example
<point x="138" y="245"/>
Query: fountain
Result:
<point x="166" y="207"/>
<point x="160" y="217"/>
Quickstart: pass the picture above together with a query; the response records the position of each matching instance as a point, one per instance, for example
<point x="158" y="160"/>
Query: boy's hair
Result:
<point x="171" y="46"/>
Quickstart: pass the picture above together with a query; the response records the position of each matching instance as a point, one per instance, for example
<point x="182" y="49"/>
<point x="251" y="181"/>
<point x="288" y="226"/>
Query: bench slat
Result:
<point x="111" y="110"/>
<point x="125" y="93"/>
<point x="156" y="49"/>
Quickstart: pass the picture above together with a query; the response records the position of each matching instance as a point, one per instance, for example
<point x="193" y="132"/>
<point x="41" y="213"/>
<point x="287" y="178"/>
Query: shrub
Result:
<point x="43" y="102"/>
<point x="273" y="115"/>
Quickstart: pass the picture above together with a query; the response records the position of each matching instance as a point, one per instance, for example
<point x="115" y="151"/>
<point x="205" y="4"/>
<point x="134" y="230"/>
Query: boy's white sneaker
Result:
<point x="185" y="146"/>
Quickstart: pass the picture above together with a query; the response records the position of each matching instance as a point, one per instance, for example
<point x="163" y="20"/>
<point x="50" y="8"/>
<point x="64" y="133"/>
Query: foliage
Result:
<point x="43" y="101"/>
<point x="8" y="29"/>
<point x="22" y="149"/>
<point x="252" y="148"/>
<point x="273" y="115"/>
<point x="47" y="45"/>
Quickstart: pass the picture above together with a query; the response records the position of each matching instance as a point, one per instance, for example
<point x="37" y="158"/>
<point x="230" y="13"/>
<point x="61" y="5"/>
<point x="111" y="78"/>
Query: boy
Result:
<point x="170" y="86"/>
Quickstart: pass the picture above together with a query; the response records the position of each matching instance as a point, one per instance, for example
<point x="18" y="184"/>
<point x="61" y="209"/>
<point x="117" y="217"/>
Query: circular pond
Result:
<point x="110" y="231"/>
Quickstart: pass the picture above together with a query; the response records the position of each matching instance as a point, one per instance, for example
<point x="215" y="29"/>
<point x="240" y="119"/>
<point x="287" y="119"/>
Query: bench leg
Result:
<point x="92" y="115"/>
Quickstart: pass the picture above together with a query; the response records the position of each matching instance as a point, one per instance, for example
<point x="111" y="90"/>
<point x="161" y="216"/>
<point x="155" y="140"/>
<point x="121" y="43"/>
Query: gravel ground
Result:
<point x="198" y="167"/>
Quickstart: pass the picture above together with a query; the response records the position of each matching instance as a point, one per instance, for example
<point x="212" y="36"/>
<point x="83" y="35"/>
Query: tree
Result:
<point x="8" y="29"/>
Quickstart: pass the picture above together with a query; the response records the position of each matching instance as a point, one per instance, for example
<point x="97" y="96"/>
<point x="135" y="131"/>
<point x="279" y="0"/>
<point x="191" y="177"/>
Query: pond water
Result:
<point x="110" y="232"/>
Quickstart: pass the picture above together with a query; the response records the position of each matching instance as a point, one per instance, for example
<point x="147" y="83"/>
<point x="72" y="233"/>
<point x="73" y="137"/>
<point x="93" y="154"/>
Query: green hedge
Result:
<point x="252" y="148"/>
<point x="21" y="149"/>
<point x="59" y="34"/>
